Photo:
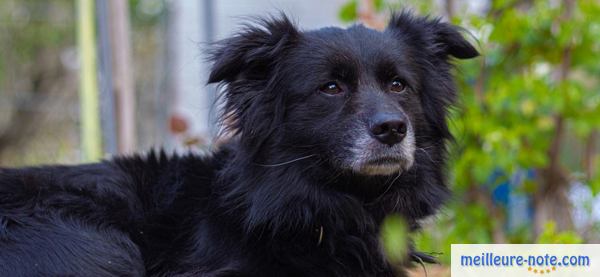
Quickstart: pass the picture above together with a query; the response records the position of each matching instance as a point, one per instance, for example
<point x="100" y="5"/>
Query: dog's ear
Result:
<point x="441" y="38"/>
<point x="247" y="64"/>
<point x="252" y="52"/>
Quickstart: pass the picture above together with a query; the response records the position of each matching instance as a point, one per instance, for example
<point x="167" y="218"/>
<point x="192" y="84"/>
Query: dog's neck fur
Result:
<point x="306" y="206"/>
<point x="297" y="207"/>
<point x="311" y="184"/>
<point x="326" y="194"/>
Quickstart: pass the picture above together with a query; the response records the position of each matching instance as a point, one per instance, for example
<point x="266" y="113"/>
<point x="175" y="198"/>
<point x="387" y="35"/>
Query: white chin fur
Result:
<point x="366" y="148"/>
<point x="381" y="170"/>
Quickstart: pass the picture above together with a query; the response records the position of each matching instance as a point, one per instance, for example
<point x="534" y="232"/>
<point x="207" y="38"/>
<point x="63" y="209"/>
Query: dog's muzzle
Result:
<point x="372" y="155"/>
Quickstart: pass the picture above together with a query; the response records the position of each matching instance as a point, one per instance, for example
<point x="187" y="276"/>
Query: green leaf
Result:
<point x="551" y="236"/>
<point x="349" y="11"/>
<point x="378" y="4"/>
<point x="394" y="235"/>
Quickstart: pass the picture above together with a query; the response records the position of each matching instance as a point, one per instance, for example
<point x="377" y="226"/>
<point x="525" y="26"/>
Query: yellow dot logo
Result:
<point x="541" y="271"/>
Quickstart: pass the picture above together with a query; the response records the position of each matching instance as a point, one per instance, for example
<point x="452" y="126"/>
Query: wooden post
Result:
<point x="91" y="145"/>
<point x="123" y="75"/>
<point x="105" y="83"/>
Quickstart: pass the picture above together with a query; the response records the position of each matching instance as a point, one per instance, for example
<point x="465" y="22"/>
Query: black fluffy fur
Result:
<point x="257" y="206"/>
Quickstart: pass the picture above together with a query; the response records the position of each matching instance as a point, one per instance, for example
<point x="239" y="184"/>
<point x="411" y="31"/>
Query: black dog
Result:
<point x="333" y="130"/>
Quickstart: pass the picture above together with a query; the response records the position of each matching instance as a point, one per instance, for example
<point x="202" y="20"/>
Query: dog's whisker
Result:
<point x="288" y="162"/>
<point x="386" y="190"/>
<point x="427" y="154"/>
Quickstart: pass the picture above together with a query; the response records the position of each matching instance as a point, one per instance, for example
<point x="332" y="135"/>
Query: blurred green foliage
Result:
<point x="511" y="98"/>
<point x="506" y="116"/>
<point x="349" y="11"/>
<point x="394" y="238"/>
<point x="508" y="125"/>
<point x="552" y="236"/>
<point x="39" y="75"/>
<point x="28" y="28"/>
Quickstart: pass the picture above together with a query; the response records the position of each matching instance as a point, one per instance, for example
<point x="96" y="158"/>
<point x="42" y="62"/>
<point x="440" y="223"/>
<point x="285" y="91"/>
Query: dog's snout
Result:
<point x="389" y="129"/>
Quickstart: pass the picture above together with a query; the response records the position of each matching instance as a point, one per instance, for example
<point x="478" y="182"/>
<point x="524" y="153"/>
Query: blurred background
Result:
<point x="84" y="80"/>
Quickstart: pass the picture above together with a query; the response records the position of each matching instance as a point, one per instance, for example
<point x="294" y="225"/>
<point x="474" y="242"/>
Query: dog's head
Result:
<point x="360" y="99"/>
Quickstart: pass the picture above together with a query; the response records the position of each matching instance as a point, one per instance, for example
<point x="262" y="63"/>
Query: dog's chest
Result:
<point x="325" y="252"/>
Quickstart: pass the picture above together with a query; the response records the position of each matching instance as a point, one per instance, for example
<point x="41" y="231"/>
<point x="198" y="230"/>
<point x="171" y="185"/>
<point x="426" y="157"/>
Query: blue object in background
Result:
<point x="508" y="194"/>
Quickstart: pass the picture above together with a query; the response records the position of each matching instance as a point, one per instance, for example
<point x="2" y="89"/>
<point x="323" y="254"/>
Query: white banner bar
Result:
<point x="515" y="260"/>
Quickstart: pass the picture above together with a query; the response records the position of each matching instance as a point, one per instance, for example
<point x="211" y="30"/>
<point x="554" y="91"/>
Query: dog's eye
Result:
<point x="397" y="86"/>
<point x="331" y="88"/>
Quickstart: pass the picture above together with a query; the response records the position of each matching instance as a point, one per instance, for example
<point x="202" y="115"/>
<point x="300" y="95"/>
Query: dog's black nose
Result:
<point x="388" y="128"/>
